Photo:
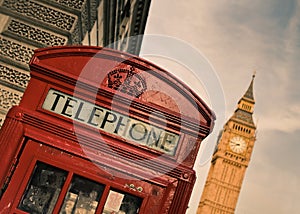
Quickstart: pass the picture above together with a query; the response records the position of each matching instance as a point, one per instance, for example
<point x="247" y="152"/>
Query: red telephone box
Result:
<point x="100" y="131"/>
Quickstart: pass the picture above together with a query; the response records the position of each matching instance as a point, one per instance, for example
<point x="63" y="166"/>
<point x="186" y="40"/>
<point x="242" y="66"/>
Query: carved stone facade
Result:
<point x="32" y="34"/>
<point x="26" y="25"/>
<point x="8" y="98"/>
<point x="13" y="77"/>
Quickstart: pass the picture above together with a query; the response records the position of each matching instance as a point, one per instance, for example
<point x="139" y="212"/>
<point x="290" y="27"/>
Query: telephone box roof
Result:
<point x="126" y="75"/>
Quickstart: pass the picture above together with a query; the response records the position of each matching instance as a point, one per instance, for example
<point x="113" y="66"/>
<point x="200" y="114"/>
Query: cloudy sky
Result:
<point x="238" y="37"/>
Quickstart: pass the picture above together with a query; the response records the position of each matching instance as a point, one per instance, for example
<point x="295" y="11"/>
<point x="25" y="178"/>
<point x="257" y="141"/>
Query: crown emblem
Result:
<point x="127" y="81"/>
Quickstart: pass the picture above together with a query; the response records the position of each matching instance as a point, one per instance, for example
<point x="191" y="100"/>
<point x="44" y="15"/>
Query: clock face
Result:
<point x="238" y="145"/>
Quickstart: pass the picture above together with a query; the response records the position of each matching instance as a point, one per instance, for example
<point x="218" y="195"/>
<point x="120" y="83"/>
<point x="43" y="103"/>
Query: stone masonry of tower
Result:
<point x="26" y="25"/>
<point x="230" y="159"/>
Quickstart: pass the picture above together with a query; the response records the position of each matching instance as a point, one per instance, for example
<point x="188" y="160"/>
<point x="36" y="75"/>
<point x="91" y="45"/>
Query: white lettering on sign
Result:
<point x="110" y="121"/>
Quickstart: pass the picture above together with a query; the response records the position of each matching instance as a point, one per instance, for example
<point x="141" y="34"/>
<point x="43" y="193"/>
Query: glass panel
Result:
<point x="43" y="189"/>
<point x="122" y="203"/>
<point x="82" y="197"/>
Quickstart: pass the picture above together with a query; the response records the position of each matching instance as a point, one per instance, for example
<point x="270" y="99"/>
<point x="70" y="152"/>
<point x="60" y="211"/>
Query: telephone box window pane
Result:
<point x="122" y="203"/>
<point x="43" y="189"/>
<point x="82" y="197"/>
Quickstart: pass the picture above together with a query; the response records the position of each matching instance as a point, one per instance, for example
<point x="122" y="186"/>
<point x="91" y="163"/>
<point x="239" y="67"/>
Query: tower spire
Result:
<point x="245" y="107"/>
<point x="249" y="92"/>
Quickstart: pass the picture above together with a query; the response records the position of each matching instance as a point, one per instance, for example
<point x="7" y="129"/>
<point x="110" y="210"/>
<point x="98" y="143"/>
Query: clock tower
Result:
<point x="230" y="159"/>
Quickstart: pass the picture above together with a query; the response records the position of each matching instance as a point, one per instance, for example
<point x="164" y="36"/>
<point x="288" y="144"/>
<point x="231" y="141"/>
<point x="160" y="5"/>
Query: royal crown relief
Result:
<point x="127" y="81"/>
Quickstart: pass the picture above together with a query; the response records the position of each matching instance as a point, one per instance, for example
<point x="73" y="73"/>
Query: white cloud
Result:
<point x="238" y="37"/>
<point x="270" y="190"/>
<point x="283" y="118"/>
<point x="292" y="33"/>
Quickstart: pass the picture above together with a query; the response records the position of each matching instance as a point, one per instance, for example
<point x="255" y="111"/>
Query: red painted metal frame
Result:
<point x="31" y="133"/>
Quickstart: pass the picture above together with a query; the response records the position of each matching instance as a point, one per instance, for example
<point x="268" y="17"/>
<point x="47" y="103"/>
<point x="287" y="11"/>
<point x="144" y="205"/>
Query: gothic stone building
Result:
<point x="230" y="160"/>
<point x="30" y="24"/>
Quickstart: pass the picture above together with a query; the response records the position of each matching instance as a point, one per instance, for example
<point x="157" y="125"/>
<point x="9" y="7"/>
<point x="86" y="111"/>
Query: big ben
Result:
<point x="230" y="159"/>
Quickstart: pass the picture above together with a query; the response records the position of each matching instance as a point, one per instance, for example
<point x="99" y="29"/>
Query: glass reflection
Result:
<point x="122" y="203"/>
<point x="43" y="189"/>
<point x="82" y="197"/>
